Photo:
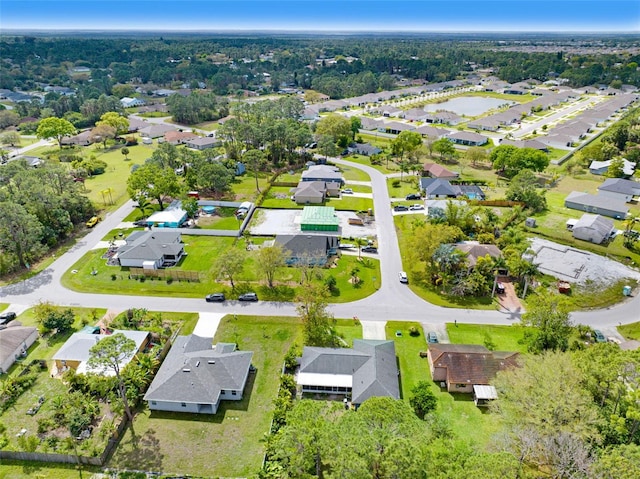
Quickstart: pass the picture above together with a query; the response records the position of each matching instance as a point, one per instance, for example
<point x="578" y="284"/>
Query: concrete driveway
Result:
<point x="373" y="329"/>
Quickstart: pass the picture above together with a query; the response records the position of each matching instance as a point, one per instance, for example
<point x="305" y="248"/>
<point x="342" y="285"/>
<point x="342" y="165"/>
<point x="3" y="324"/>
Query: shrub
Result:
<point x="45" y="424"/>
<point x="113" y="277"/>
<point x="413" y="331"/>
<point x="423" y="401"/>
<point x="395" y="183"/>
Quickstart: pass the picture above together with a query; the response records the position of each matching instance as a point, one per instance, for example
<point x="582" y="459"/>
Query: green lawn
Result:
<point x="244" y="186"/>
<point x="42" y="470"/>
<point x="505" y="338"/>
<point x="465" y="419"/>
<point x="349" y="330"/>
<point x="231" y="442"/>
<point x="630" y="331"/>
<point x="384" y="168"/>
<point x="201" y="251"/>
<point x="354" y="174"/>
<point x="413" y="368"/>
<point x="409" y="184"/>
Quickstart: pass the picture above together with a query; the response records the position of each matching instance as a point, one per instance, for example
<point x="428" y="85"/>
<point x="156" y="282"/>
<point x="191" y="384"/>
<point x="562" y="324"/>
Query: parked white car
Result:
<point x="402" y="276"/>
<point x="416" y="207"/>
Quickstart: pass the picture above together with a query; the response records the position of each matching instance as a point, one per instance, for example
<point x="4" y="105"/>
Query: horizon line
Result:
<point x="307" y="31"/>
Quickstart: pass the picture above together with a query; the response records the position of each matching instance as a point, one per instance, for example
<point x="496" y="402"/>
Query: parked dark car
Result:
<point x="599" y="337"/>
<point x="248" y="297"/>
<point x="369" y="249"/>
<point x="214" y="297"/>
<point x="500" y="288"/>
<point x="7" y="317"/>
<point x="413" y="196"/>
<point x="400" y="208"/>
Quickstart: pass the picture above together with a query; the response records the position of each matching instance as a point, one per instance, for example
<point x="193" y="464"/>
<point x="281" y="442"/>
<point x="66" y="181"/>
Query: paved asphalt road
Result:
<point x="393" y="300"/>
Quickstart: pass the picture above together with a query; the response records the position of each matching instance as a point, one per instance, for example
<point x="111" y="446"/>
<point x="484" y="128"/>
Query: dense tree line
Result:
<point x="358" y="64"/>
<point x="39" y="208"/>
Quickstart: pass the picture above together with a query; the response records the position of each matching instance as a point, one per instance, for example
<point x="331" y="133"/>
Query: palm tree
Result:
<point x="144" y="205"/>
<point x="360" y="242"/>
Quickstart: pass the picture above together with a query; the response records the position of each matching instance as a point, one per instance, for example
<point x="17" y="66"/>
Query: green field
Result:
<point x="504" y="338"/>
<point x="630" y="331"/>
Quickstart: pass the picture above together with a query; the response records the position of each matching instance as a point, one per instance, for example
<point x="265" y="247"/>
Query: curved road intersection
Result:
<point x="393" y="301"/>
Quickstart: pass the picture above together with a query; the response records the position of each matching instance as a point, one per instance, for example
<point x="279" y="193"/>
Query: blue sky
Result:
<point x="328" y="15"/>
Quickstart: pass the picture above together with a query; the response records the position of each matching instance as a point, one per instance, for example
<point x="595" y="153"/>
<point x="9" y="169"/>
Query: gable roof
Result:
<point x="438" y="187"/>
<point x="468" y="136"/>
<point x="370" y="368"/>
<point x="324" y="172"/>
<point x="597" y="201"/>
<point x="179" y="136"/>
<point x="595" y="222"/>
<point x="438" y="171"/>
<point x="150" y="245"/>
<point x="13" y="337"/>
<point x="470" y="363"/>
<point x="156" y="130"/>
<point x="628" y="167"/>
<point x="432" y="131"/>
<point x="620" y="185"/>
<point x="195" y="371"/>
<point x="306" y="244"/>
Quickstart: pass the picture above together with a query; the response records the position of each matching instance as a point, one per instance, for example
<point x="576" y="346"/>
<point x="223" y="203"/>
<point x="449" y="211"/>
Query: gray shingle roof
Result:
<point x="150" y="245"/>
<point x="12" y="337"/>
<point x="371" y="363"/>
<point x="620" y="185"/>
<point x="196" y="372"/>
<point x="438" y="187"/>
<point x="598" y="201"/>
<point x="306" y="244"/>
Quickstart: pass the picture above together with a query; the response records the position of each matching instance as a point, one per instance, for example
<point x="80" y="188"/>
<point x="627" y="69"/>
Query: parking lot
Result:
<point x="267" y="222"/>
<point x="577" y="266"/>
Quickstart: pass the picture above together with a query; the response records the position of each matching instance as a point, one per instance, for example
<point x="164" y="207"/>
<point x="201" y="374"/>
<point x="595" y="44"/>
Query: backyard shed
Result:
<point x="319" y="218"/>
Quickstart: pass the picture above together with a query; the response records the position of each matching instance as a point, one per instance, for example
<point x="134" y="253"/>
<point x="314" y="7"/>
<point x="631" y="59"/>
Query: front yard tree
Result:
<point x="11" y="138"/>
<point x="327" y="146"/>
<point x="20" y="232"/>
<point x="444" y="147"/>
<point x="523" y="188"/>
<point x="153" y="182"/>
<point x="422" y="400"/>
<point x="269" y="260"/>
<point x="476" y="155"/>
<point x="102" y="134"/>
<point x="547" y="324"/>
<point x="110" y="354"/>
<point x="125" y="153"/>
<point x="256" y="161"/>
<point x="318" y="323"/>
<point x="405" y="143"/>
<point x="116" y="121"/>
<point x="335" y="126"/>
<point x="229" y="264"/>
<point x="53" y="127"/>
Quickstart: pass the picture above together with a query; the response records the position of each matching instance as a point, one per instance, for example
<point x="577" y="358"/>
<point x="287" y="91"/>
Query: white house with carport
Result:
<point x="197" y="375"/>
<point x="151" y="249"/>
<point x="128" y="102"/>
<point x="593" y="228"/>
<point x="171" y="217"/>
<point x="368" y="369"/>
<point x="601" y="167"/>
<point x="15" y="340"/>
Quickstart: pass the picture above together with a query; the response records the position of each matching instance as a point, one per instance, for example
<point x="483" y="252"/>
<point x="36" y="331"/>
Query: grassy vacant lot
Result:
<point x="42" y="470"/>
<point x="229" y="443"/>
<point x="201" y="252"/>
<point x="505" y="338"/>
<point x="630" y="331"/>
<point x="465" y="419"/>
<point x="408" y="184"/>
<point x="419" y="283"/>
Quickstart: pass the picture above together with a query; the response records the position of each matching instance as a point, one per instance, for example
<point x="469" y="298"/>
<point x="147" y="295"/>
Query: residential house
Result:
<point x="619" y="189"/>
<point x="202" y="143"/>
<point x="396" y="127"/>
<point x="308" y="249"/>
<point x="369" y="369"/>
<point x="601" y="167"/>
<point x="136" y="124"/>
<point x="434" y="170"/>
<point x="132" y="102"/>
<point x="459" y="367"/>
<point x="155" y="130"/>
<point x="434" y="188"/>
<point x="593" y="228"/>
<point x="81" y="139"/>
<point x="315" y="192"/>
<point x="535" y="144"/>
<point x="514" y="91"/>
<point x="561" y="142"/>
<point x="60" y="90"/>
<point x="151" y="249"/>
<point x="474" y="250"/>
<point x="488" y="123"/>
<point x="596" y="204"/>
<point x="468" y="138"/>
<point x="445" y="117"/>
<point x="432" y="131"/>
<point x="15" y="340"/>
<point x="416" y="114"/>
<point x="324" y="173"/>
<point x="197" y="376"/>
<point x="74" y="353"/>
<point x="32" y="161"/>
<point x="365" y="149"/>
<point x="176" y="137"/>
<point x="173" y="216"/>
